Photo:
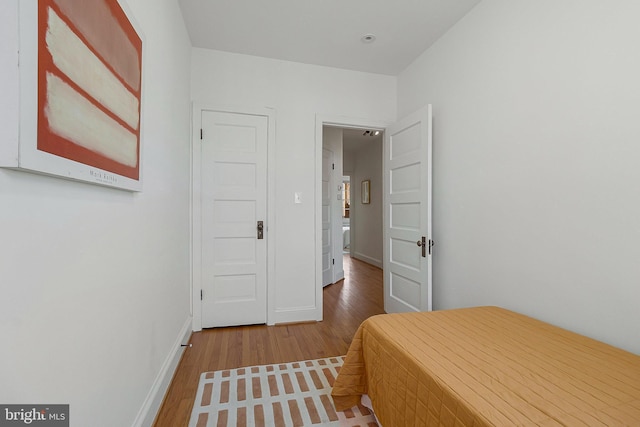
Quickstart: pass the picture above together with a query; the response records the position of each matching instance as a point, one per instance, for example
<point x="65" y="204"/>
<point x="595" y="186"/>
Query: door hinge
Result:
<point x="431" y="243"/>
<point x="333" y="261"/>
<point x="200" y="133"/>
<point x="333" y="166"/>
<point x="200" y="294"/>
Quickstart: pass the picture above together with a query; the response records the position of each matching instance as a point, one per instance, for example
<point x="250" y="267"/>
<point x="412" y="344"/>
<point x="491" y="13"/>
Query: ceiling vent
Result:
<point x="368" y="38"/>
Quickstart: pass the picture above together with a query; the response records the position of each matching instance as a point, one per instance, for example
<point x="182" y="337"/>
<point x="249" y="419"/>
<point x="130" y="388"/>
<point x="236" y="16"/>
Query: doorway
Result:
<point x="406" y="204"/>
<point x="352" y="128"/>
<point x="362" y="162"/>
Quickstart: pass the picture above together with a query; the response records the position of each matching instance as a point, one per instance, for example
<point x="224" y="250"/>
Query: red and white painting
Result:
<point x="89" y="87"/>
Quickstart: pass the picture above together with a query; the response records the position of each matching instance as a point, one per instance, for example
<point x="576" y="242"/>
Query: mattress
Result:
<point x="486" y="366"/>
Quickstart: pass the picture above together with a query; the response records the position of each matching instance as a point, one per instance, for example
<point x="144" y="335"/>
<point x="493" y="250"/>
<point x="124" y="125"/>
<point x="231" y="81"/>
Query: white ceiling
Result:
<point x="353" y="140"/>
<point x="324" y="32"/>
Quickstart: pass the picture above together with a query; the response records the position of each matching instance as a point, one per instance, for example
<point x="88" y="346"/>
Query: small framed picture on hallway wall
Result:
<point x="80" y="92"/>
<point x="365" y="191"/>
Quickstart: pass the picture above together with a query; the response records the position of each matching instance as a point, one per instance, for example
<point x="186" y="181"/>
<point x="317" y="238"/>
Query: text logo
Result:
<point x="34" y="415"/>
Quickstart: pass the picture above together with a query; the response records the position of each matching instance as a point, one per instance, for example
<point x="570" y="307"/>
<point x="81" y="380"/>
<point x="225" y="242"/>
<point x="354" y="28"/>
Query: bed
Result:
<point x="486" y="366"/>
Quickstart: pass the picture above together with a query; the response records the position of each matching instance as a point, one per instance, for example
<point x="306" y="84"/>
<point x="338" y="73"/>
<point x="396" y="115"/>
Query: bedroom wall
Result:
<point x="297" y="92"/>
<point x="536" y="162"/>
<point x="94" y="282"/>
<point x="367" y="237"/>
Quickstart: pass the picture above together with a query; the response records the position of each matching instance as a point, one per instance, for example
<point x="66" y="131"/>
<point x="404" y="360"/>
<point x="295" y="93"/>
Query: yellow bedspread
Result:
<point x="486" y="366"/>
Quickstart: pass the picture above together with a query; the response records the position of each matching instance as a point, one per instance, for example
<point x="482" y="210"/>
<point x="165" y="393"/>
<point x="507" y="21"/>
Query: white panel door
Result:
<point x="327" y="220"/>
<point x="408" y="241"/>
<point x="233" y="200"/>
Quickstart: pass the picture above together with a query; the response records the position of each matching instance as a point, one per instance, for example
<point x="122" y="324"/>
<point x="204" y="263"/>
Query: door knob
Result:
<point x="260" y="229"/>
<point x="423" y="244"/>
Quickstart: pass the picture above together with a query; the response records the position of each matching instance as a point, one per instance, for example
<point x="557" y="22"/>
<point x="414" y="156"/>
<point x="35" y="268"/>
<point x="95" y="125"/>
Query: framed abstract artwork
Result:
<point x="80" y="79"/>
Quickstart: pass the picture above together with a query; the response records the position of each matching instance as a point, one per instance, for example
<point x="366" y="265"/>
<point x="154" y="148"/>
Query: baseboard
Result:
<point x="151" y="405"/>
<point x="339" y="275"/>
<point x="297" y="315"/>
<point x="368" y="259"/>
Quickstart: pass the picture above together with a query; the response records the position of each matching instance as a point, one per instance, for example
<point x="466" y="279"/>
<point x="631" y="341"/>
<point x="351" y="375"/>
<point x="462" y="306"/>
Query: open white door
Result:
<point x="407" y="204"/>
<point x="327" y="218"/>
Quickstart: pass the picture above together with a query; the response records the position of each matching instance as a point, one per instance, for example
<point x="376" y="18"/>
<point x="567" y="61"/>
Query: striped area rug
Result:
<point x="286" y="394"/>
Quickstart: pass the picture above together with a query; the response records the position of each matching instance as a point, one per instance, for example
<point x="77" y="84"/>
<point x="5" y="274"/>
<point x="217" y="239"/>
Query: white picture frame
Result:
<point x="83" y="127"/>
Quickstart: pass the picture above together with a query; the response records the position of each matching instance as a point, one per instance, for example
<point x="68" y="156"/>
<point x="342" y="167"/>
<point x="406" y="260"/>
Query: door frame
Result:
<point x="195" y="206"/>
<point x="342" y="122"/>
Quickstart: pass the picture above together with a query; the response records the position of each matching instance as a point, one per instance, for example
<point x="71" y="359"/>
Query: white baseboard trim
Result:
<point x="339" y="275"/>
<point x="147" y="414"/>
<point x="368" y="259"/>
<point x="302" y="314"/>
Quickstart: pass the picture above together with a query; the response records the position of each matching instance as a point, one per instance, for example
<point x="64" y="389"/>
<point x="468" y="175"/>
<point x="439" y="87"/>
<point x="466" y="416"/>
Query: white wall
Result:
<point x="367" y="234"/>
<point x="298" y="92"/>
<point x="94" y="282"/>
<point x="537" y="161"/>
<point x="8" y="82"/>
<point x="348" y="162"/>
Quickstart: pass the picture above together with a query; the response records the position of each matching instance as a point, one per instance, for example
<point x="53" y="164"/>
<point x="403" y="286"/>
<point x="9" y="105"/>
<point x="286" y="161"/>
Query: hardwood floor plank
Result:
<point x="346" y="304"/>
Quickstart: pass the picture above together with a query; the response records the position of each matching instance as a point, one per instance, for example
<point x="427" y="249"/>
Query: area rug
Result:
<point x="284" y="395"/>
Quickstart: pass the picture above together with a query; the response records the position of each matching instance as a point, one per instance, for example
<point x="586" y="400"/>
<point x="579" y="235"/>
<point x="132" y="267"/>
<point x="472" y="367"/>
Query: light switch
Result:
<point x="297" y="197"/>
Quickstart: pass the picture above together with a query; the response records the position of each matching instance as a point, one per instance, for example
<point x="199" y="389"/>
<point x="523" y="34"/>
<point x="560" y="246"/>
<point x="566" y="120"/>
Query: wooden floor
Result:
<point x="346" y="304"/>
